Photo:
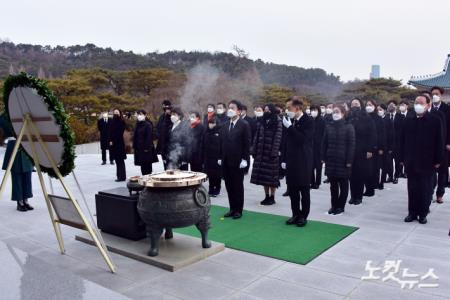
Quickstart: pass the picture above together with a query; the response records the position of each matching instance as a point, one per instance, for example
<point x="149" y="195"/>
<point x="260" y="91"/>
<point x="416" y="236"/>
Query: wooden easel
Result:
<point x="33" y="135"/>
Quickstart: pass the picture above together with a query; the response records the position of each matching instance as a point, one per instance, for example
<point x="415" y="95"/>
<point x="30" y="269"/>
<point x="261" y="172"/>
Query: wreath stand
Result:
<point x="66" y="211"/>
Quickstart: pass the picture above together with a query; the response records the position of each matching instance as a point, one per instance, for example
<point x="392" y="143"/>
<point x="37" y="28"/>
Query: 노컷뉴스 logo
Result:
<point x="391" y="271"/>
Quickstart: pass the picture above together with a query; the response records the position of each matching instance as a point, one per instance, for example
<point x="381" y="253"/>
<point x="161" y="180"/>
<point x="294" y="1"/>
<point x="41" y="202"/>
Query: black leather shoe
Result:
<point x="292" y="220"/>
<point x="112" y="163"/>
<point x="301" y="222"/>
<point x="352" y="201"/>
<point x="410" y="218"/>
<point x="423" y="220"/>
<point x="357" y="201"/>
<point x="119" y="180"/>
<point x="326" y="181"/>
<point x="381" y="186"/>
<point x="103" y="163"/>
<point x="331" y="211"/>
<point x="315" y="186"/>
<point x="286" y="194"/>
<point x="229" y="214"/>
<point x="21" y="206"/>
<point x="268" y="201"/>
<point x="369" y="194"/>
<point x="27" y="205"/>
<point x="395" y="181"/>
<point x="237" y="215"/>
<point x="338" y="211"/>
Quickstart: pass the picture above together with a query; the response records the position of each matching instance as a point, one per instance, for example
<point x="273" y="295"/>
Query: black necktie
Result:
<point x="231" y="126"/>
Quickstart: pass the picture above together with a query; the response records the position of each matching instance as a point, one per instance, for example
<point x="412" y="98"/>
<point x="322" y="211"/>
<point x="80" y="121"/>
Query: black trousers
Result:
<point x="339" y="191"/>
<point x="146" y="168"/>
<point x="388" y="167"/>
<point x="316" y="177"/>
<point x="399" y="168"/>
<point x="298" y="194"/>
<point x="373" y="179"/>
<point x="360" y="171"/>
<point x="419" y="190"/>
<point x="214" y="185"/>
<point x="104" y="156"/>
<point x="440" y="181"/>
<point x="120" y="169"/>
<point x="234" y="183"/>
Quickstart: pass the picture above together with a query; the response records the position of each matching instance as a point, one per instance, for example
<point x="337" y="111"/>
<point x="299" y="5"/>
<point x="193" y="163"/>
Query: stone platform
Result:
<point x="174" y="254"/>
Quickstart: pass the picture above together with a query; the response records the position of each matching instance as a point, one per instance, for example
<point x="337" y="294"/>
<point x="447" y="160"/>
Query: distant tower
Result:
<point x="375" y="73"/>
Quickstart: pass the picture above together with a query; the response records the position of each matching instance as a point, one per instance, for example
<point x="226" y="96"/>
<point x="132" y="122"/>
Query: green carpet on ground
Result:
<point x="267" y="235"/>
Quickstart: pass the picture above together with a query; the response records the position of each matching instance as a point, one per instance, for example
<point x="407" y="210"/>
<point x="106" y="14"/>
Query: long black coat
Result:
<point x="422" y="144"/>
<point x="116" y="130"/>
<point x="389" y="126"/>
<point x="441" y="116"/>
<point x="319" y="131"/>
<point x="143" y="143"/>
<point x="162" y="133"/>
<point x="266" y="147"/>
<point x="177" y="146"/>
<point x="211" y="152"/>
<point x="103" y="128"/>
<point x="338" y="149"/>
<point x="365" y="141"/>
<point x="380" y="132"/>
<point x="235" y="144"/>
<point x="196" y="144"/>
<point x="399" y="122"/>
<point x="298" y="152"/>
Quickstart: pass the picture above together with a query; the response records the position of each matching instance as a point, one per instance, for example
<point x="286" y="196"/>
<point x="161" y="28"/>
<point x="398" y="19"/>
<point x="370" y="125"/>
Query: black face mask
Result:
<point x="355" y="109"/>
<point x="116" y="117"/>
<point x="267" y="114"/>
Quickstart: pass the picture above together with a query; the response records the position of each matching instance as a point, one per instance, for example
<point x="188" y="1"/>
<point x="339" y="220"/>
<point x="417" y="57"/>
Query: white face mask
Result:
<point x="314" y="113"/>
<point x="370" y="109"/>
<point x="220" y="111"/>
<point x="105" y="115"/>
<point x="174" y="118"/>
<point x="402" y="108"/>
<point x="259" y="114"/>
<point x="211" y="125"/>
<point x="140" y="117"/>
<point x="308" y="111"/>
<point x="337" y="116"/>
<point x="419" y="109"/>
<point x="323" y="110"/>
<point x="192" y="119"/>
<point x="436" y="99"/>
<point x="329" y="111"/>
<point x="231" y="113"/>
<point x="290" y="114"/>
<point x="381" y="113"/>
<point x="210" y="109"/>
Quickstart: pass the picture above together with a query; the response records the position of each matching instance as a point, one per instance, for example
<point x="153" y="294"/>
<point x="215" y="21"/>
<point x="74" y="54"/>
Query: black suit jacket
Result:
<point x="235" y="144"/>
<point x="103" y="128"/>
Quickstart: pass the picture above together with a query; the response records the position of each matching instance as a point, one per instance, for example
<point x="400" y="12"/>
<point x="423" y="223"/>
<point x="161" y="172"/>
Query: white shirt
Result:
<point x="175" y="125"/>
<point x="234" y="122"/>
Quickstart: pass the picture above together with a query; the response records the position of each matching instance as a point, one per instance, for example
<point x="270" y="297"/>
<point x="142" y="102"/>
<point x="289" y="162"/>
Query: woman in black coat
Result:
<point x="144" y="151"/>
<point x="266" y="149"/>
<point x="319" y="131"/>
<point x="338" y="149"/>
<point x="373" y="180"/>
<point x="176" y="149"/>
<point x="196" y="144"/>
<point x="117" y="144"/>
<point x="365" y="142"/>
<point x="211" y="154"/>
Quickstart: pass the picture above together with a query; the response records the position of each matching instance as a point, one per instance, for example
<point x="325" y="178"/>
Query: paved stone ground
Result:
<point x="336" y="274"/>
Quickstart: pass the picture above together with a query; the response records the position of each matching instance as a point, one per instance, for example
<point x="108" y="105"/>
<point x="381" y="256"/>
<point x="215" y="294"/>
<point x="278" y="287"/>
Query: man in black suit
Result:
<point x="399" y="121"/>
<point x="422" y="151"/>
<point x="297" y="160"/>
<point x="442" y="176"/>
<point x="163" y="128"/>
<point x="235" y="157"/>
<point x="103" y="128"/>
<point x="319" y="132"/>
<point x="387" y="174"/>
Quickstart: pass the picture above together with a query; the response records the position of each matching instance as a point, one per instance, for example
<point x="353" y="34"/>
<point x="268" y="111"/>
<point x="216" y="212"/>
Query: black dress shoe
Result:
<point x="395" y="181"/>
<point x="381" y="186"/>
<point x="112" y="163"/>
<point x="27" y="205"/>
<point x="21" y="206"/>
<point x="338" y="211"/>
<point x="315" y="186"/>
<point x="285" y="194"/>
<point x="104" y="163"/>
<point x="119" y="180"/>
<point x="237" y="215"/>
<point x="292" y="220"/>
<point x="331" y="211"/>
<point x="410" y="218"/>
<point x="352" y="201"/>
<point x="326" y="181"/>
<point x="301" y="222"/>
<point x="357" y="201"/>
<point x="423" y="220"/>
<point x="268" y="201"/>
<point x="229" y="214"/>
<point x="389" y="180"/>
<point x="369" y="194"/>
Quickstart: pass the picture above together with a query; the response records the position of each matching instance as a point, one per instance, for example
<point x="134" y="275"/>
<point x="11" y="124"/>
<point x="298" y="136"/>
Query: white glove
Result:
<point x="287" y="122"/>
<point x="219" y="162"/>
<point x="283" y="166"/>
<point x="243" y="164"/>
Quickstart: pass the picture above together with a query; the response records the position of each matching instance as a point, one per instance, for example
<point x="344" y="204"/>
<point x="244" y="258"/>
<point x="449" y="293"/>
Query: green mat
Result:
<point x="267" y="235"/>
